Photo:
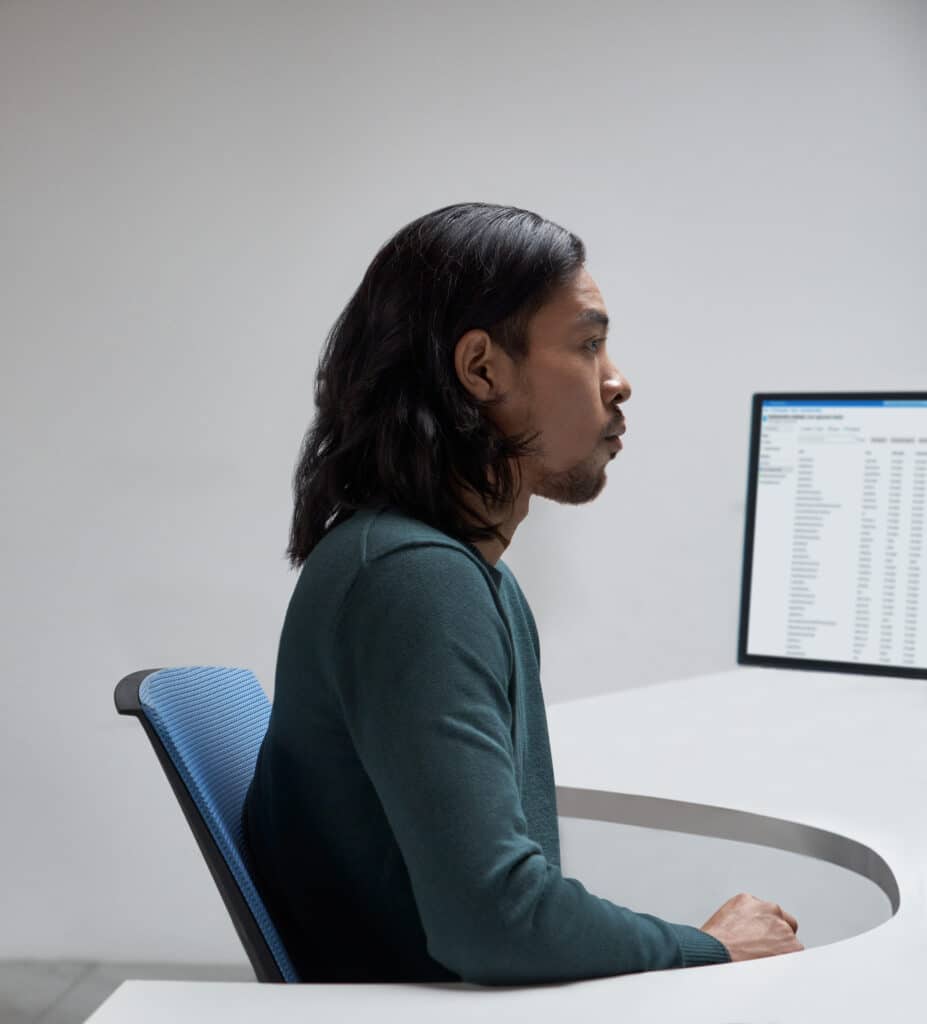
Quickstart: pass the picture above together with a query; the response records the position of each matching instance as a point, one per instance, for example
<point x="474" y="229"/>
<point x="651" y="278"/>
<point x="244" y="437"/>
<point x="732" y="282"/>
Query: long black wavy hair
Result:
<point x="394" y="425"/>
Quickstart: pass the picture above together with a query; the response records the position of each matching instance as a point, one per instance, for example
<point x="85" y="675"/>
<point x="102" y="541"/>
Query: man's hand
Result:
<point x="752" y="928"/>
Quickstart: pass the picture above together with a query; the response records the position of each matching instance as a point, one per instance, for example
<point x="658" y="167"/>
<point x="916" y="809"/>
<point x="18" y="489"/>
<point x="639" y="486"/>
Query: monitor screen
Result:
<point x="834" y="538"/>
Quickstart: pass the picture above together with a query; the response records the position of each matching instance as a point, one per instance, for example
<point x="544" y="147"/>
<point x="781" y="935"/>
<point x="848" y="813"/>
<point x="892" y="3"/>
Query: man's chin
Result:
<point x="573" y="487"/>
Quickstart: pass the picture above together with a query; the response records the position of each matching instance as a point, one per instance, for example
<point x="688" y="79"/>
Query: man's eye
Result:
<point x="594" y="341"/>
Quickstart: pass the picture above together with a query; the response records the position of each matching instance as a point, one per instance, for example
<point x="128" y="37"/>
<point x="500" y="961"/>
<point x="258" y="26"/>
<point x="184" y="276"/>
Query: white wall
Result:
<point x="191" y="192"/>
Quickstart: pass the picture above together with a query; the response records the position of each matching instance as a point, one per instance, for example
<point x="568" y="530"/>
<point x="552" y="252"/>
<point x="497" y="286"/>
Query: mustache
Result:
<point x="618" y="427"/>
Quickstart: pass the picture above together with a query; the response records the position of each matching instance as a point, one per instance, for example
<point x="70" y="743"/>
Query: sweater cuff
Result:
<point x="699" y="948"/>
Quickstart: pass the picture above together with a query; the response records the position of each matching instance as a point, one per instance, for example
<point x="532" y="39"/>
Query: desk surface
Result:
<point x="828" y="764"/>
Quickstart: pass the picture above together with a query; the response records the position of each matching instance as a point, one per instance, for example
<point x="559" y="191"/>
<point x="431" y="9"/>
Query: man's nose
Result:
<point x="616" y="387"/>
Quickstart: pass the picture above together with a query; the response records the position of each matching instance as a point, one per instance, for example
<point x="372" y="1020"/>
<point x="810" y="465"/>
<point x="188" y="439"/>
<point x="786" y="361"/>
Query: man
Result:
<point x="402" y="817"/>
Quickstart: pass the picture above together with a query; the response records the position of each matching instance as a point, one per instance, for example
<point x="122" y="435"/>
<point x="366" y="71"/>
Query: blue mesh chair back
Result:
<point x="206" y="725"/>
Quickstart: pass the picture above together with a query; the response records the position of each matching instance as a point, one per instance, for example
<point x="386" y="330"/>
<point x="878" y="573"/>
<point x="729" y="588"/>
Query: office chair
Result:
<point x="206" y="725"/>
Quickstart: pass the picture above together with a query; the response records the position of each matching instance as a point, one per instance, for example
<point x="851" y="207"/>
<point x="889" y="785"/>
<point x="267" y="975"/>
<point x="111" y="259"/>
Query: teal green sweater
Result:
<point x="402" y="817"/>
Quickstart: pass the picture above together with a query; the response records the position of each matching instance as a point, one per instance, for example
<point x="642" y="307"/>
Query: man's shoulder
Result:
<point x="400" y="567"/>
<point x="388" y="533"/>
<point x="390" y="530"/>
<point x="386" y="540"/>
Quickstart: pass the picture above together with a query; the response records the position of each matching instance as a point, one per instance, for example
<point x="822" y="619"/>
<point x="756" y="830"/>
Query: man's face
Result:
<point x="567" y="388"/>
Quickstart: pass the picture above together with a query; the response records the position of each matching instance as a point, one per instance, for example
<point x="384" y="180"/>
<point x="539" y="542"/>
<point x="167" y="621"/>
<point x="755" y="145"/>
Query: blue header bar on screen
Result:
<point x="841" y="401"/>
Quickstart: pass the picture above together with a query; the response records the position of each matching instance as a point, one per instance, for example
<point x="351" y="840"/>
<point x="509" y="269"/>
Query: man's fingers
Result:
<point x="789" y="920"/>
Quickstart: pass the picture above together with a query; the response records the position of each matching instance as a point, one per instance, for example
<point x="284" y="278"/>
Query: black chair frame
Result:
<point x="249" y="931"/>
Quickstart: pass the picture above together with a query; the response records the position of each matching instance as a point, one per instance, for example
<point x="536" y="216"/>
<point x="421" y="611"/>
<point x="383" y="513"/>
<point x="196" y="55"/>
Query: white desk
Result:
<point x="826" y="764"/>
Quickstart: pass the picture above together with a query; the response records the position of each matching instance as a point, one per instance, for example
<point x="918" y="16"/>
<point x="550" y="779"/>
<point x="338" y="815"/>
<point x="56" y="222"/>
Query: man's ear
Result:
<point x="479" y="364"/>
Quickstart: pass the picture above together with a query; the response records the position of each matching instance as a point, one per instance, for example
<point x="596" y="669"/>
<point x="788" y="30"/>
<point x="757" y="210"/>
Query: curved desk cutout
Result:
<point x="725" y="823"/>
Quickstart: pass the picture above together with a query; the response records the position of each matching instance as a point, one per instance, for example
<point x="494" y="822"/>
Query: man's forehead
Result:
<point x="574" y="308"/>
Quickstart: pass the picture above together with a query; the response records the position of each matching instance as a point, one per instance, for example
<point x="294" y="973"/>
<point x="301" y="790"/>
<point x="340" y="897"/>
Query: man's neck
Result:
<point x="508" y="520"/>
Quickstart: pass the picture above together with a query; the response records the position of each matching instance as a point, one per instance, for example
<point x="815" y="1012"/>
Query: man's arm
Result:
<point x="423" y="674"/>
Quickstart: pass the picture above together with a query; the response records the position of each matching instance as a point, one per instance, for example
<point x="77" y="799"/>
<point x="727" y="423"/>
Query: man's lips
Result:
<point x="619" y="430"/>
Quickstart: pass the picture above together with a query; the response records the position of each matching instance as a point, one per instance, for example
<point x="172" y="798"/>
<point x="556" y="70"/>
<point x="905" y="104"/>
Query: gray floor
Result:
<point x="68" y="991"/>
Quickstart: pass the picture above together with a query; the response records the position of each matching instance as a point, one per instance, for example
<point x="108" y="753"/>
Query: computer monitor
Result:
<point x="834" y="538"/>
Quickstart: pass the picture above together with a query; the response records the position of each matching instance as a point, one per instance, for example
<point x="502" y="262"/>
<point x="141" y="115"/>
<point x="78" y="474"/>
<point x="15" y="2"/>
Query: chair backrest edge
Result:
<point x="125" y="696"/>
<point x="249" y="931"/>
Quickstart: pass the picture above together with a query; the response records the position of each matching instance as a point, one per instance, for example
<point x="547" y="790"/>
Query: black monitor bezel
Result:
<point x="802" y="664"/>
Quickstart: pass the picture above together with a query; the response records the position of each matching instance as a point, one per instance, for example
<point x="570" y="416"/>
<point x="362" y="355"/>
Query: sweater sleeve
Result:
<point x="424" y="664"/>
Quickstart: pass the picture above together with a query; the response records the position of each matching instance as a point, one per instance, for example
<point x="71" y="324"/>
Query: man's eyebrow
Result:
<point x="592" y="316"/>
